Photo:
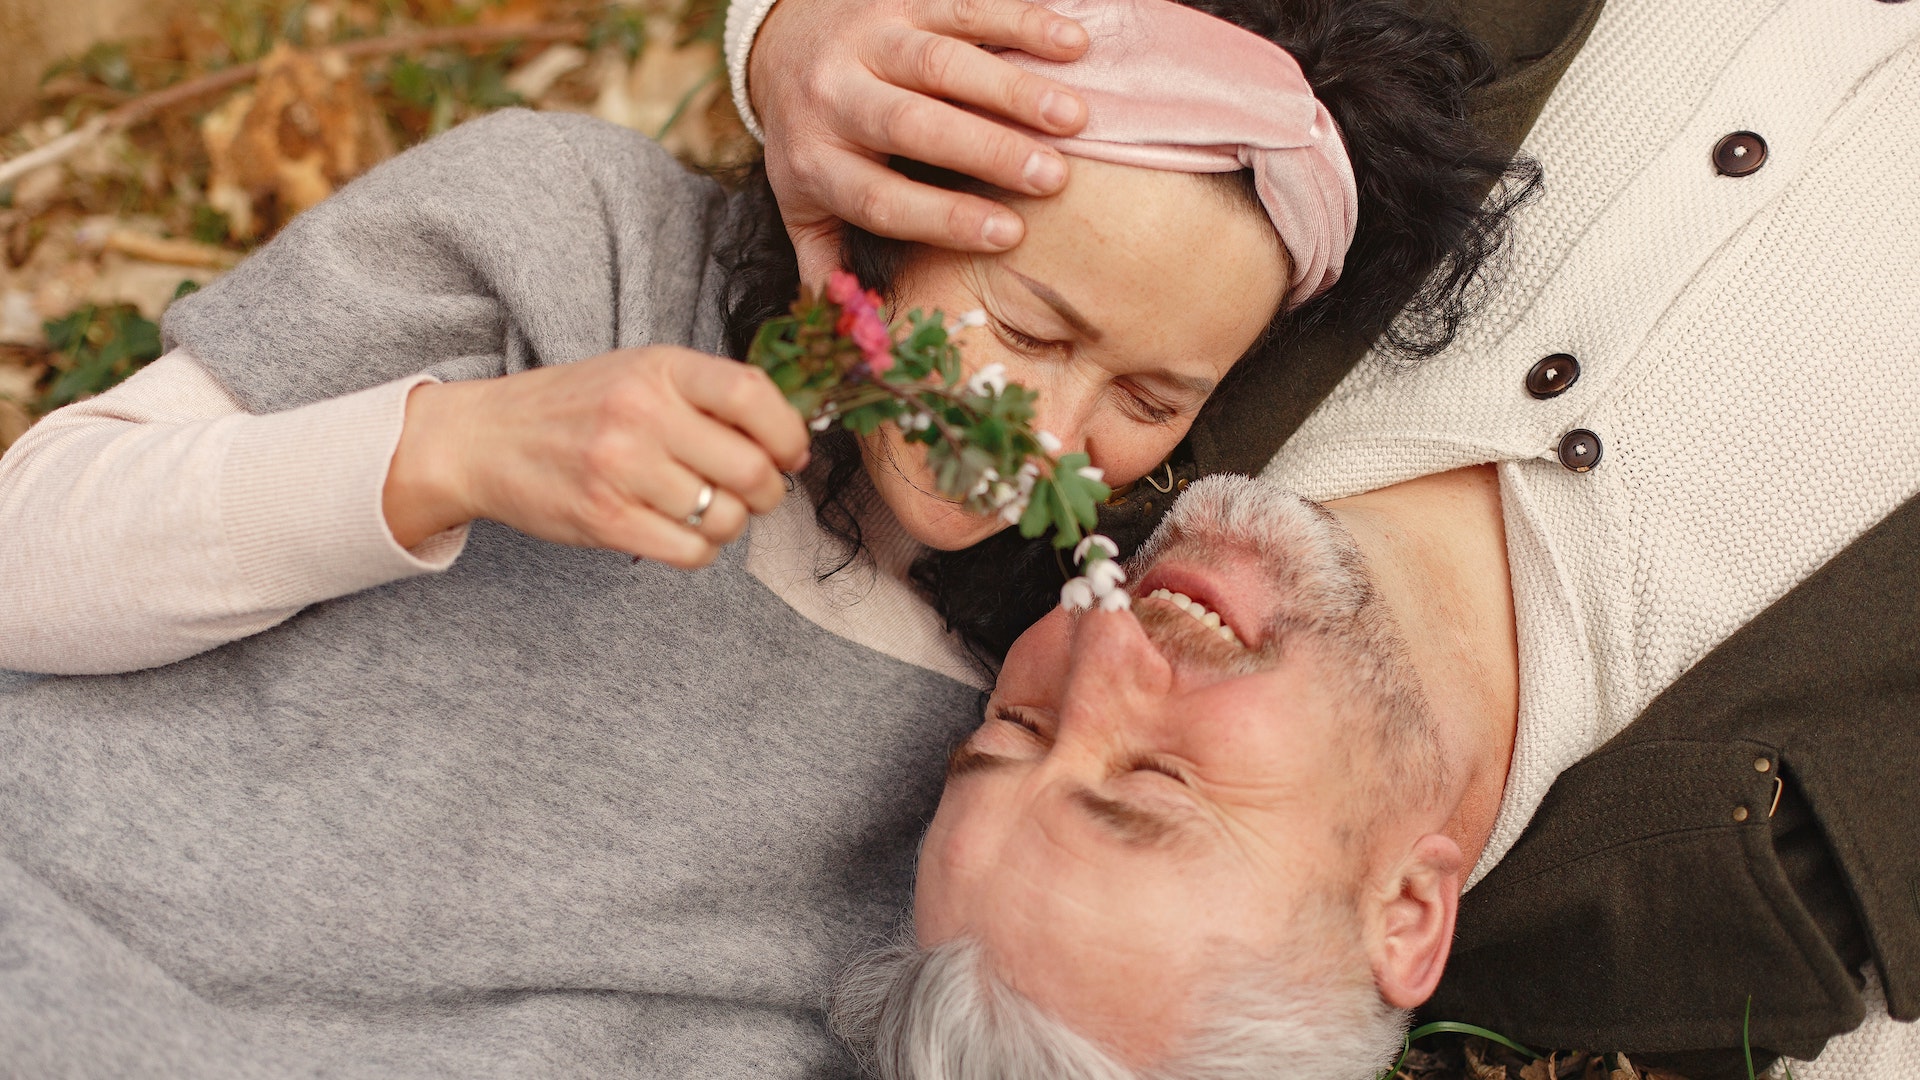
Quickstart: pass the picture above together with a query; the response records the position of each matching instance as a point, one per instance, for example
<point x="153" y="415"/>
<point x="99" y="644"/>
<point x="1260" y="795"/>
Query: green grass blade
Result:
<point x="1746" y="1036"/>
<point x="1406" y="1047"/>
<point x="1454" y="1027"/>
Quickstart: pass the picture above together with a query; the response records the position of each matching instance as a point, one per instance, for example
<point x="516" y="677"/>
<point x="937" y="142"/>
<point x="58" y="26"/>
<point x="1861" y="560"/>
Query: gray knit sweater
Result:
<point x="549" y="814"/>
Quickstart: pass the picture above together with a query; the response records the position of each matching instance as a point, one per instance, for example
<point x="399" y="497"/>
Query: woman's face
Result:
<point x="1132" y="295"/>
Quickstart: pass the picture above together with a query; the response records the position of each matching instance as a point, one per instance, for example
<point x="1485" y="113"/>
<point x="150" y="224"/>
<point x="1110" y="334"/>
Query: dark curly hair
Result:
<point x="1435" y="198"/>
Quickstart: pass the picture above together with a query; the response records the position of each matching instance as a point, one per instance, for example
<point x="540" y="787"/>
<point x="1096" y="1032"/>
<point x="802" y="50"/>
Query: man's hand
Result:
<point x="840" y="85"/>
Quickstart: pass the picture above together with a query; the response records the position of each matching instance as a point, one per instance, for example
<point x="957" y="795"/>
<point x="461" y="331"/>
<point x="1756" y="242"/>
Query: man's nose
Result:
<point x="1116" y="671"/>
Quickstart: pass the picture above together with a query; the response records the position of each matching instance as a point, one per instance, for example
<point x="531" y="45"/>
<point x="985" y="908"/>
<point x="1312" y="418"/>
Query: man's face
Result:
<point x="1147" y="800"/>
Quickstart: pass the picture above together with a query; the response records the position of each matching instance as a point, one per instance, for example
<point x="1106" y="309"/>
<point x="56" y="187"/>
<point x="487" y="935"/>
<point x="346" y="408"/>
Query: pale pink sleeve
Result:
<point x="159" y="520"/>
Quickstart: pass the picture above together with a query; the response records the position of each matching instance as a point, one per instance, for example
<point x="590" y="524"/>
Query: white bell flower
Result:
<point x="1105" y="576"/>
<point x="1076" y="595"/>
<point x="988" y="381"/>
<point x="1092" y="541"/>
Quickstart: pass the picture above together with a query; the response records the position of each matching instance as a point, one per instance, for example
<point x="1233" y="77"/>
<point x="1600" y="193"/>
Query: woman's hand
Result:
<point x="610" y="452"/>
<point x="840" y="85"/>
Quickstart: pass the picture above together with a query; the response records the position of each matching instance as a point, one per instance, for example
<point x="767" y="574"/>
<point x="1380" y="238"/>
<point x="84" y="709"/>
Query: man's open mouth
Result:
<point x="1206" y="616"/>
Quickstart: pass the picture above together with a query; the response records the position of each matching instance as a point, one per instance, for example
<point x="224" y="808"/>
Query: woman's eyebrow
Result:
<point x="1059" y="304"/>
<point x="1199" y="386"/>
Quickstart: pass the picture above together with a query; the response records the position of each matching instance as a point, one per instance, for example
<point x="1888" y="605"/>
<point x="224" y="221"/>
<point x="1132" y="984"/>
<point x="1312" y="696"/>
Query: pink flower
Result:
<point x="875" y="341"/>
<point x="842" y="288"/>
<point x="860" y="320"/>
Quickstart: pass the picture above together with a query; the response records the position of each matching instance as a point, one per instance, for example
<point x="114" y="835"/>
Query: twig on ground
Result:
<point x="151" y="104"/>
<point x="139" y="245"/>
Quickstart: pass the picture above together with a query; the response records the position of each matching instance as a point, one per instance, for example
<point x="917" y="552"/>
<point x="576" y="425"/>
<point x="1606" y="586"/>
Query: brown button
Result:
<point x="1553" y="375"/>
<point x="1580" y="450"/>
<point x="1740" y="153"/>
<point x="1761" y="764"/>
<point x="1739" y="813"/>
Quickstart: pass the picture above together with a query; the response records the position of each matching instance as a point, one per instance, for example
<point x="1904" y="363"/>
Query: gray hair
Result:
<point x="913" y="1013"/>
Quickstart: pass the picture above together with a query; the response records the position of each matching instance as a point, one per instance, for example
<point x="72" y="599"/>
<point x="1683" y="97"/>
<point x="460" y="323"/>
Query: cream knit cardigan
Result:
<point x="1750" y="359"/>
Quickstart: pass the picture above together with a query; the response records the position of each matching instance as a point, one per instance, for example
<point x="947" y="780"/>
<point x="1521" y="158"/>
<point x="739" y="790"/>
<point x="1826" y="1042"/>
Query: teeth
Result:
<point x="1206" y="618"/>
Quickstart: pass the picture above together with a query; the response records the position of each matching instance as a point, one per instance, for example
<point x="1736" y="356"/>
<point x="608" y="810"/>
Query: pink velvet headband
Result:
<point x="1168" y="87"/>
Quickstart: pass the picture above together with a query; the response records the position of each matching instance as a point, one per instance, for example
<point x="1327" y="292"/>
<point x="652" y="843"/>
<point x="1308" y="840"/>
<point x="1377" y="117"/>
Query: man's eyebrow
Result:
<point x="1136" y="825"/>
<point x="1059" y="304"/>
<point x="965" y="759"/>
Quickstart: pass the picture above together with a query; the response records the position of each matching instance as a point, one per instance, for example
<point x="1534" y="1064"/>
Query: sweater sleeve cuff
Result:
<point x="300" y="500"/>
<point x="743" y="23"/>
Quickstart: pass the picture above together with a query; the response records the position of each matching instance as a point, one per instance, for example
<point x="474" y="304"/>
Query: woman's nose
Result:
<point x="1066" y="408"/>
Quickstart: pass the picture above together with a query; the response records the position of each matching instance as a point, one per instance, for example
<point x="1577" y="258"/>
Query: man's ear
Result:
<point x="1413" y="925"/>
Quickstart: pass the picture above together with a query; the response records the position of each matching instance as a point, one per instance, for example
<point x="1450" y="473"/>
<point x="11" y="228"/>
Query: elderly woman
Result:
<point x="449" y="769"/>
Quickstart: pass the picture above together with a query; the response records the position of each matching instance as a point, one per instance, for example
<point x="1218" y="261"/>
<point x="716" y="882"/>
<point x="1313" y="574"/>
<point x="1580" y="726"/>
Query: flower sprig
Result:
<point x="840" y="359"/>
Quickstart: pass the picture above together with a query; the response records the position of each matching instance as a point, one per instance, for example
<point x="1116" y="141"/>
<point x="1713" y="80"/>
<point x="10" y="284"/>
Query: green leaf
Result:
<point x="96" y="348"/>
<point x="1039" y="516"/>
<point x="209" y="226"/>
<point x="66" y="334"/>
<point x="1067" y="527"/>
<point x="620" y="27"/>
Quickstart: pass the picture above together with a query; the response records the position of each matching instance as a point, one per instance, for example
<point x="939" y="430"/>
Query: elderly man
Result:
<point x="1213" y="855"/>
<point x="1230" y="852"/>
<point x="1694" y="392"/>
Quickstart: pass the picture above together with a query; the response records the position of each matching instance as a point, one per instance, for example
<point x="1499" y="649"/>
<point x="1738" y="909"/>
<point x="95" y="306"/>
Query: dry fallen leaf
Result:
<point x="20" y="374"/>
<point x="19" y="322"/>
<point x="1477" y="1067"/>
<point x="534" y="78"/>
<point x="307" y="126"/>
<point x="1539" y="1069"/>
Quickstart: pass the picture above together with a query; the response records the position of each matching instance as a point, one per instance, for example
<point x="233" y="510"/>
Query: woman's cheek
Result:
<point x="1127" y="449"/>
<point x="900" y="476"/>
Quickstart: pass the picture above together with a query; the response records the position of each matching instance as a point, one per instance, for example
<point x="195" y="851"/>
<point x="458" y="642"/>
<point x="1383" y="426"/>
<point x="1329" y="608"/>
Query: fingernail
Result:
<point x="1045" y="172"/>
<point x="1000" y="231"/>
<point x="1067" y="35"/>
<point x="806" y="459"/>
<point x="1058" y="109"/>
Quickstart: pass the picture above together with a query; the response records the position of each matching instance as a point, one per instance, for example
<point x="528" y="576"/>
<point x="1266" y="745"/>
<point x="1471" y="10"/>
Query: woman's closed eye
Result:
<point x="1025" y="342"/>
<point x="1145" y="407"/>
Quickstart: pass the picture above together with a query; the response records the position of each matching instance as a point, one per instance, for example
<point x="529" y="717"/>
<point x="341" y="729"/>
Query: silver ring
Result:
<point x="700" y="506"/>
